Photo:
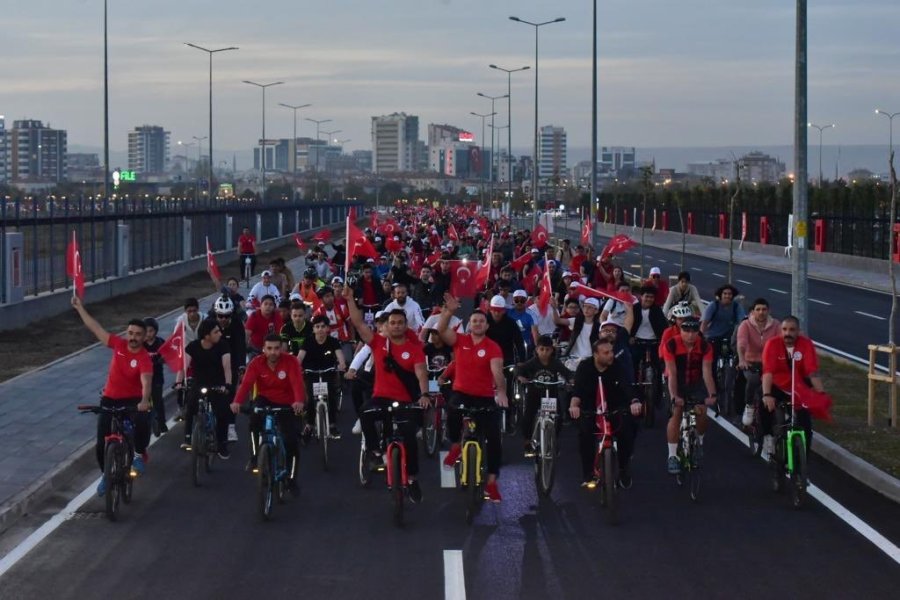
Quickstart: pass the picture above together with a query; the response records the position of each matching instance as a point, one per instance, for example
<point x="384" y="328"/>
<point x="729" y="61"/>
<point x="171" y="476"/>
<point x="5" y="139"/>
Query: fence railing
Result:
<point x="156" y="232"/>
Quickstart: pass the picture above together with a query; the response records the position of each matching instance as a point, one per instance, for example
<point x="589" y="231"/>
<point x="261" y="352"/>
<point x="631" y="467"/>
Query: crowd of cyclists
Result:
<point x="404" y="315"/>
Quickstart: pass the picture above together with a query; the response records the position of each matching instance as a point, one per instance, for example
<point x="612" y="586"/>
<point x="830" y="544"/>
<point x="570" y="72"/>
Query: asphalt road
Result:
<point x="337" y="540"/>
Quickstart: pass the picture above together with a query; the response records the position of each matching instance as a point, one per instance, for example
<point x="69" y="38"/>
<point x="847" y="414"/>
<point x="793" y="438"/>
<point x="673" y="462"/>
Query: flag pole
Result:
<point x="73" y="268"/>
<point x="349" y="250"/>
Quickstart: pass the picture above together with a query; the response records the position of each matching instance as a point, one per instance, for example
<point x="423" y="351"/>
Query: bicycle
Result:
<point x="471" y="469"/>
<point x="434" y="429"/>
<point x="369" y="311"/>
<point x="394" y="452"/>
<point x="754" y="430"/>
<point x="543" y="437"/>
<point x="323" y="421"/>
<point x="271" y="460"/>
<point x="203" y="435"/>
<point x="689" y="452"/>
<point x="726" y="370"/>
<point x="117" y="456"/>
<point x="606" y="460"/>
<point x="510" y="423"/>
<point x="648" y="381"/>
<point x="789" y="460"/>
<point x="247" y="268"/>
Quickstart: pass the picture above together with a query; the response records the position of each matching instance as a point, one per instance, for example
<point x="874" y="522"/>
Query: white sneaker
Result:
<point x="232" y="434"/>
<point x="357" y="428"/>
<point x="768" y="446"/>
<point x="747" y="418"/>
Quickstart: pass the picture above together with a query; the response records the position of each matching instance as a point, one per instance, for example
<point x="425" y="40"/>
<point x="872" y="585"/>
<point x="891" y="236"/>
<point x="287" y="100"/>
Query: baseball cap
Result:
<point x="498" y="301"/>
<point x="655" y="271"/>
<point x="370" y="260"/>
<point x="377" y="238"/>
<point x="567" y="274"/>
<point x="606" y="322"/>
<point x="295" y="296"/>
<point x="336" y="279"/>
<point x="574" y="284"/>
<point x="535" y="251"/>
<point x="266" y="273"/>
<point x="520" y="294"/>
<point x="592" y="302"/>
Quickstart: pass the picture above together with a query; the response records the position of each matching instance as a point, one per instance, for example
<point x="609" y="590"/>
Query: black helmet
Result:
<point x="311" y="273"/>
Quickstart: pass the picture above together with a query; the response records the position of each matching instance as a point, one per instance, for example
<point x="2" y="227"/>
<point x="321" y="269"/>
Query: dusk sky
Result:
<point x="672" y="73"/>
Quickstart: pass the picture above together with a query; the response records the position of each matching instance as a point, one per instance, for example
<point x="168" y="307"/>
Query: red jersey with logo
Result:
<point x="473" y="363"/>
<point x="259" y="327"/>
<point x="282" y="384"/>
<point x="776" y="361"/>
<point x="408" y="354"/>
<point x="338" y="320"/>
<point x="247" y="244"/>
<point x="123" y="382"/>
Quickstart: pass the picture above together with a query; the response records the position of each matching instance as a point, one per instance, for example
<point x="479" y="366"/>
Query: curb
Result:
<point x="857" y="468"/>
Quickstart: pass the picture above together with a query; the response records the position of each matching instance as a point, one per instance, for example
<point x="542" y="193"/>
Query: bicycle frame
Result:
<point x="604" y="433"/>
<point x="793" y="431"/>
<point x="272" y="435"/>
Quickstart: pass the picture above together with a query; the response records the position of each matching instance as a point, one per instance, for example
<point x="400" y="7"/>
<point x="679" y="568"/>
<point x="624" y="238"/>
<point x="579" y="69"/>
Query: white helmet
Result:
<point x="680" y="311"/>
<point x="223" y="306"/>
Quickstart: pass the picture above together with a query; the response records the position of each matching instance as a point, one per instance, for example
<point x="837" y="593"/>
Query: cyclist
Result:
<point x="309" y="287"/>
<point x="544" y="366"/>
<point x="278" y="379"/>
<point x="211" y="363"/>
<point x="481" y="359"/>
<point x="524" y="320"/>
<point x="590" y="374"/>
<point x="677" y="315"/>
<point x="261" y="323"/>
<point x="721" y="317"/>
<point x="661" y="285"/>
<point x="152" y="344"/>
<point x="321" y="351"/>
<point x="226" y="314"/>
<point x="368" y="290"/>
<point x="584" y="330"/>
<point x="297" y="329"/>
<point x="684" y="291"/>
<point x="752" y="335"/>
<point x="128" y="383"/>
<point x="413" y="311"/>
<point x="689" y="366"/>
<point x="264" y="287"/>
<point x="335" y="315"/>
<point x="778" y="370"/>
<point x="648" y="328"/>
<point x="400" y="376"/>
<point x="246" y="249"/>
<point x="504" y="331"/>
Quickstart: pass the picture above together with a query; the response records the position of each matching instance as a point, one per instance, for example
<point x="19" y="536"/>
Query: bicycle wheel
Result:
<point x="547" y="458"/>
<point x="799" y="473"/>
<point x="365" y="472"/>
<point x="127" y="479"/>
<point x="649" y="398"/>
<point x="198" y="450"/>
<point x="397" y="484"/>
<point x="474" y="489"/>
<point x="754" y="436"/>
<point x="777" y="464"/>
<point x="610" y="477"/>
<point x="430" y="431"/>
<point x="280" y="474"/>
<point x="694" y="469"/>
<point x="112" y="472"/>
<point x="266" y="481"/>
<point x="323" y="433"/>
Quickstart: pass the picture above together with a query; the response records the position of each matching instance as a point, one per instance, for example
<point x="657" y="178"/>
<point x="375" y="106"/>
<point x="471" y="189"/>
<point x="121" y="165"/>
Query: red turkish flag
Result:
<point x="434" y="257"/>
<point x="586" y="231"/>
<point x="817" y="403"/>
<point x="358" y="244"/>
<point x="484" y="270"/>
<point x="393" y="245"/>
<point x="531" y="281"/>
<point x="388" y="228"/>
<point x="590" y="292"/>
<point x="462" y="279"/>
<point x="73" y="267"/>
<point x="173" y="350"/>
<point x="322" y="236"/>
<point x="452" y="234"/>
<point x="545" y="293"/>
<point x="539" y="236"/>
<point x="299" y="241"/>
<point x="373" y="225"/>
<point x="211" y="265"/>
<point x="519" y="263"/>
<point x="618" y="244"/>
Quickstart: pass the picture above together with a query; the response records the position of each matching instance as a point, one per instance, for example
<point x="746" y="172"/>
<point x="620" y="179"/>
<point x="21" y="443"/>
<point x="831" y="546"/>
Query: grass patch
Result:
<point x="848" y="386"/>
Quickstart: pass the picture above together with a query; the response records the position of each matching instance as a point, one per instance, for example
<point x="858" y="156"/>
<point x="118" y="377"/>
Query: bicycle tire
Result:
<point x="323" y="431"/>
<point x="397" y="488"/>
<point x="266" y="484"/>
<point x="198" y="450"/>
<point x="610" y="478"/>
<point x="694" y="470"/>
<point x="127" y="480"/>
<point x="430" y="431"/>
<point x="476" y="496"/>
<point x="649" y="417"/>
<point x="754" y="436"/>
<point x="777" y="464"/>
<point x="547" y="458"/>
<point x="799" y="473"/>
<point x="111" y="473"/>
<point x="365" y="473"/>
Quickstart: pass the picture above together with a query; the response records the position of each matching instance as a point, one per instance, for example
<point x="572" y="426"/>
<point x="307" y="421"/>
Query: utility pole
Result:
<point x="799" y="257"/>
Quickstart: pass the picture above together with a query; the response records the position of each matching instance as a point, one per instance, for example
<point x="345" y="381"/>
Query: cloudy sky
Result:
<point x="672" y="72"/>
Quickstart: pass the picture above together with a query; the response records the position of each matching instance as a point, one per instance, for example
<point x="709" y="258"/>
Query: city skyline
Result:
<point x="351" y="60"/>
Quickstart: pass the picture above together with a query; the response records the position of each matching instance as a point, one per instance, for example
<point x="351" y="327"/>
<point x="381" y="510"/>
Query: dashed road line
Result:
<point x="454" y="575"/>
<point x="871" y="316"/>
<point x="744" y="281"/>
<point x="822" y="302"/>
<point x="777" y="291"/>
<point x="718" y="275"/>
<point x="448" y="477"/>
<point x="696" y="269"/>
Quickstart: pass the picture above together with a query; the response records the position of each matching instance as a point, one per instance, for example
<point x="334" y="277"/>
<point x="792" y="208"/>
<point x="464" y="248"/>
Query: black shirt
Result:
<point x="293" y="338"/>
<point x="207" y="364"/>
<point x="235" y="340"/>
<point x="535" y="370"/>
<point x="438" y="359"/>
<point x="158" y="362"/>
<point x="615" y="385"/>
<point x="507" y="334"/>
<point x="320" y="356"/>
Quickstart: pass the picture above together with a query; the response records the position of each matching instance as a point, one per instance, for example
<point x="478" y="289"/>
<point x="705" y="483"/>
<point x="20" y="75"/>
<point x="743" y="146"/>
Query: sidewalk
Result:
<point x="42" y="437"/>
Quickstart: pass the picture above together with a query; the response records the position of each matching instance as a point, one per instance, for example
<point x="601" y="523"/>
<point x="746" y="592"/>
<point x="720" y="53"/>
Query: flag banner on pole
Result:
<point x="358" y="244"/>
<point x="173" y="350"/>
<point x="463" y="283"/>
<point x="73" y="267"/>
<point x="586" y="230"/>
<point x="618" y="244"/>
<point x="211" y="265"/>
<point x="484" y="270"/>
<point x="539" y="236"/>
<point x="301" y="245"/>
<point x="322" y="236"/>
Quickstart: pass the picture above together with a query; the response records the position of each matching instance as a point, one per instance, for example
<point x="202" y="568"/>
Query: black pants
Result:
<point x="140" y="420"/>
<point x="407" y="431"/>
<point x="767" y="419"/>
<point x="487" y="423"/>
<point x="360" y="392"/>
<point x="624" y="428"/>
<point x="219" y="403"/>
<point x="241" y="265"/>
<point x="286" y="422"/>
<point x="533" y="402"/>
<point x="159" y="406"/>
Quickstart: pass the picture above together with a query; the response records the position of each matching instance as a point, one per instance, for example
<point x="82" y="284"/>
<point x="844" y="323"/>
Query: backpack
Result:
<point x="734" y="319"/>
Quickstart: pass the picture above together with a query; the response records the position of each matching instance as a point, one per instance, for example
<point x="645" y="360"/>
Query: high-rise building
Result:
<point x="148" y="150"/>
<point x="4" y="151"/>
<point x="617" y="160"/>
<point x="757" y="167"/>
<point x="552" y="150"/>
<point x="395" y="143"/>
<point x="37" y="153"/>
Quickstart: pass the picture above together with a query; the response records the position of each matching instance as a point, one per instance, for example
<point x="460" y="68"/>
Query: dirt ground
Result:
<point x="24" y="349"/>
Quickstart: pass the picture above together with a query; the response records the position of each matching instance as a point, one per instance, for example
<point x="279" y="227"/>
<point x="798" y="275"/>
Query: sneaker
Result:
<point x="625" y="479"/>
<point x="232" y="433"/>
<point x="357" y="428"/>
<point x="137" y="464"/>
<point x="530" y="452"/>
<point x="414" y="491"/>
<point x="223" y="453"/>
<point x="768" y="448"/>
<point x="747" y="418"/>
<point x="452" y="456"/>
<point x="673" y="465"/>
<point x="186" y="444"/>
<point x="334" y="433"/>
<point x="492" y="492"/>
<point x="101" y="487"/>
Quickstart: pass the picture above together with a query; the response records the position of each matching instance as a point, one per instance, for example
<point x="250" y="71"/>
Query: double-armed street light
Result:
<point x="509" y="73"/>
<point x="820" y="128"/>
<point x="294" y="109"/>
<point x="262" y="157"/>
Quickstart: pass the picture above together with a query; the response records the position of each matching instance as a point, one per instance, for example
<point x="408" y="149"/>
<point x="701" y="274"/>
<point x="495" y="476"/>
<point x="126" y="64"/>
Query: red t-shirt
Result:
<point x="473" y="362"/>
<point x="689" y="363"/>
<point x="259" y="327"/>
<point x="247" y="244"/>
<point x="125" y="369"/>
<point x="369" y="295"/>
<point x="775" y="361"/>
<point x="575" y="264"/>
<point x="282" y="385"/>
<point x="408" y="354"/>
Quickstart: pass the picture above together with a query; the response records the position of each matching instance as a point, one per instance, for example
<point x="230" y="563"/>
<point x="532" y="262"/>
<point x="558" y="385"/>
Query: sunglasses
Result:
<point x="519" y="300"/>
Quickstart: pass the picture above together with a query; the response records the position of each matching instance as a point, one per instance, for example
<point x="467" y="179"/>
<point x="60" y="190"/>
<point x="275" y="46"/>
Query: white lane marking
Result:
<point x="454" y="576"/>
<point x="777" y="291"/>
<point x="42" y="532"/>
<point x="871" y="316"/>
<point x="696" y="269"/>
<point x="820" y="302"/>
<point x="662" y="260"/>
<point x="830" y="503"/>
<point x="718" y="275"/>
<point x="745" y="282"/>
<point x="448" y="477"/>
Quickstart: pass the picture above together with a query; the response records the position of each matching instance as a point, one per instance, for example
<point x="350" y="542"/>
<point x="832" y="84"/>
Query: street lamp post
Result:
<point x="481" y="175"/>
<point x="187" y="160"/>
<point x="821" y="128"/>
<point x="105" y="104"/>
<point x="199" y="141"/>
<point x="497" y="129"/>
<point x="262" y="157"/>
<point x="329" y="136"/>
<point x="509" y="73"/>
<point x="893" y="173"/>
<point x="493" y="112"/>
<point x="210" y="52"/>
<point x="535" y="160"/>
<point x="318" y="125"/>
<point x="294" y="158"/>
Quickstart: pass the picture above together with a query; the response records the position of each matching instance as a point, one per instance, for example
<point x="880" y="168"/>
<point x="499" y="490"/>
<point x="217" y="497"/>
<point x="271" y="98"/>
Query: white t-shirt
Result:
<point x="582" y="346"/>
<point x="260" y="289"/>
<point x="455" y="323"/>
<point x="545" y="323"/>
<point x="616" y="311"/>
<point x="414" y="318"/>
<point x="645" y="329"/>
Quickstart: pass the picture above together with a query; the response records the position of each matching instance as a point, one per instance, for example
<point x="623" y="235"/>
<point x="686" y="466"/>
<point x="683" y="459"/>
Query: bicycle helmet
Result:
<point x="311" y="273"/>
<point x="223" y="306"/>
<point x="680" y="311"/>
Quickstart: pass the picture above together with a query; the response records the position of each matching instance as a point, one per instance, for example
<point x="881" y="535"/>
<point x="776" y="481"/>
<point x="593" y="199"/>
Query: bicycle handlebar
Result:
<point x="320" y="371"/>
<point x="394" y="407"/>
<point x="272" y="410"/>
<point x="97" y="409"/>
<point x="545" y="383"/>
<point x="478" y="409"/>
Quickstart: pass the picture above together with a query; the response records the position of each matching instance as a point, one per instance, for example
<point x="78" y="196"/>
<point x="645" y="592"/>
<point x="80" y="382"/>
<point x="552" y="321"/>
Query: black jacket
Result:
<point x="506" y="333"/>
<point x="657" y="321"/>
